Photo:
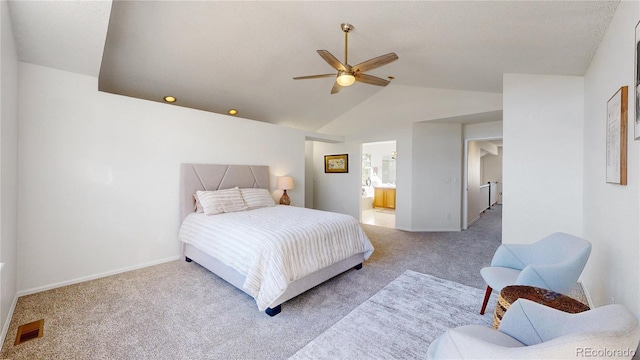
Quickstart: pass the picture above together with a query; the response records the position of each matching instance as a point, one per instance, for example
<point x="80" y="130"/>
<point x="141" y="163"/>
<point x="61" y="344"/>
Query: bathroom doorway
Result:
<point x="378" y="191"/>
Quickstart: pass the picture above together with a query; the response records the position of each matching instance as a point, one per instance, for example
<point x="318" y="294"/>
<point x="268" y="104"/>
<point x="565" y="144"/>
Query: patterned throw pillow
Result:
<point x="257" y="198"/>
<point x="221" y="201"/>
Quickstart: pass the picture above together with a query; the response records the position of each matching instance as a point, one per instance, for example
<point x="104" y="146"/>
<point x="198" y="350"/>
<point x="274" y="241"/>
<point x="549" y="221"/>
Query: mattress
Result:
<point x="277" y="245"/>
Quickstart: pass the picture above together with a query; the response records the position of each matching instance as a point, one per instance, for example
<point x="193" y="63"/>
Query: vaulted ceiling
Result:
<point x="218" y="55"/>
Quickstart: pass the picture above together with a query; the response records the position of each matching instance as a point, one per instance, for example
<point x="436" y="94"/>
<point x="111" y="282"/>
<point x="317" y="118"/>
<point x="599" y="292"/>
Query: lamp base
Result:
<point x="284" y="200"/>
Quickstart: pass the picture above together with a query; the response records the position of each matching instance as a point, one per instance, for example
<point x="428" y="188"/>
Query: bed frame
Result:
<point x="194" y="177"/>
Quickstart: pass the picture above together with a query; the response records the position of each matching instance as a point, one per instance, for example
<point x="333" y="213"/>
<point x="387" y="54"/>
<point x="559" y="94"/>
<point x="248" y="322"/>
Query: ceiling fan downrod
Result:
<point x="346" y="27"/>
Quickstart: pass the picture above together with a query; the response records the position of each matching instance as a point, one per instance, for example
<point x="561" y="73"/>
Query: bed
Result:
<point x="271" y="253"/>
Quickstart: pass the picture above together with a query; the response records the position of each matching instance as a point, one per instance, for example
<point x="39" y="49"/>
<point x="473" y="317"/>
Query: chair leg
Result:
<point x="486" y="300"/>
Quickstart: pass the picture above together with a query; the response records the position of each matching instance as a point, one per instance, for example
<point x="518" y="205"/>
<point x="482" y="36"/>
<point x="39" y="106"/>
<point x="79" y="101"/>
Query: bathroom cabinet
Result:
<point x="384" y="197"/>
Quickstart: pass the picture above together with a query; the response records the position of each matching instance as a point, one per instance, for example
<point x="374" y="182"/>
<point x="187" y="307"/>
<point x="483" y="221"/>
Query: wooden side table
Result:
<point x="509" y="294"/>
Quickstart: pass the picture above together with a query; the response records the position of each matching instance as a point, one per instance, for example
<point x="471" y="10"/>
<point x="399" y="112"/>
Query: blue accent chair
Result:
<point x="533" y="331"/>
<point x="553" y="263"/>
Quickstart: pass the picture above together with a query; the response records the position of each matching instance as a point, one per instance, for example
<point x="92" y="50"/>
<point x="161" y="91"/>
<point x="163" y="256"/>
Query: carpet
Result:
<point x="401" y="320"/>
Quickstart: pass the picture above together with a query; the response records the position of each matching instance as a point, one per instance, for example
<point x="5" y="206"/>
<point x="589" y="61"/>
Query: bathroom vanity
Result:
<point x="384" y="197"/>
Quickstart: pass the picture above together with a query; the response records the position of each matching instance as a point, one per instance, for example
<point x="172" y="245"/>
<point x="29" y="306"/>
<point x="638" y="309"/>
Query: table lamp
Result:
<point x="285" y="183"/>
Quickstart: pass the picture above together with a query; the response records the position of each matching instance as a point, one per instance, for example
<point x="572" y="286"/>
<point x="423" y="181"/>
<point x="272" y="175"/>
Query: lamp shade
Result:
<point x="285" y="183"/>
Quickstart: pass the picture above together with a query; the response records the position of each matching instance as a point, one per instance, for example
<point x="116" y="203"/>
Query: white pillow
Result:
<point x="221" y="201"/>
<point x="257" y="198"/>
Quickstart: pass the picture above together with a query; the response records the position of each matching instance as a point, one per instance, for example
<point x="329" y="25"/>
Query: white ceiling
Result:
<point x="217" y="55"/>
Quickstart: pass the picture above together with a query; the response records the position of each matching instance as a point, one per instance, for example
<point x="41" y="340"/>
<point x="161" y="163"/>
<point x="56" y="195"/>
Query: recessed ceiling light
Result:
<point x="170" y="99"/>
<point x="232" y="111"/>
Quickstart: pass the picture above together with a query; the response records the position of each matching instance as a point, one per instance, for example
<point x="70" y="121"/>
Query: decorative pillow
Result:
<point x="221" y="201"/>
<point x="257" y="198"/>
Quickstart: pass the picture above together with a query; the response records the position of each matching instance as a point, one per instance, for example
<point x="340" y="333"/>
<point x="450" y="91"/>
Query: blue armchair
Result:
<point x="533" y="331"/>
<point x="553" y="263"/>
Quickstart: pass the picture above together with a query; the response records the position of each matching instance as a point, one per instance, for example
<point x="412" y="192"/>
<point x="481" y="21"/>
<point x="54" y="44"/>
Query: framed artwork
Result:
<point x="636" y="123"/>
<point x="617" y="137"/>
<point x="336" y="163"/>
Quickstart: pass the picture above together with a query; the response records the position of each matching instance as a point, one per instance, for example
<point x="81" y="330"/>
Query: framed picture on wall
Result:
<point x="636" y="87"/>
<point x="336" y="163"/>
<point x="617" y="137"/>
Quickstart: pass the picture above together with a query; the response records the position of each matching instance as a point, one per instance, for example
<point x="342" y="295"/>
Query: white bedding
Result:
<point x="275" y="246"/>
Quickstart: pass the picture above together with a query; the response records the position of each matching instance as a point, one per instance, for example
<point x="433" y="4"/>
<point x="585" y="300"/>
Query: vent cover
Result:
<point x="30" y="331"/>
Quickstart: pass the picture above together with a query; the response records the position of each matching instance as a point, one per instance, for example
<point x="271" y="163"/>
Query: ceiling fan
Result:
<point x="347" y="74"/>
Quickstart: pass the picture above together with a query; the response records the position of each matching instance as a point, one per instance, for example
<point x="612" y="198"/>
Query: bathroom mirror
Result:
<point x="388" y="170"/>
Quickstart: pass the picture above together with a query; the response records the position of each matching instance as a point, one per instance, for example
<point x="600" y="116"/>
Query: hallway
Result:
<point x="379" y="217"/>
<point x="490" y="222"/>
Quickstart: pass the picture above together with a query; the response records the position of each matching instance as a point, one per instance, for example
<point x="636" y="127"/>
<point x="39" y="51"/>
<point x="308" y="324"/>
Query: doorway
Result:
<point x="482" y="179"/>
<point x="378" y="191"/>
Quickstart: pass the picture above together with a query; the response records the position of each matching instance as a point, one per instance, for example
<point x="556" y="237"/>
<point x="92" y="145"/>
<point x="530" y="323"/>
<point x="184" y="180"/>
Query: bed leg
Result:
<point x="275" y="311"/>
<point x="187" y="259"/>
<point x="358" y="267"/>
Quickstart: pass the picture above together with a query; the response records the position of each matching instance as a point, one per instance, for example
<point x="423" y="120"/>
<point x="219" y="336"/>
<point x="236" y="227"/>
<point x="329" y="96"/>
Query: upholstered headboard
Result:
<point x="194" y="177"/>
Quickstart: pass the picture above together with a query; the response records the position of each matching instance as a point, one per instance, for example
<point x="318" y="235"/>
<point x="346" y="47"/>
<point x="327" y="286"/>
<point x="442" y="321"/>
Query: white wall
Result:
<point x="339" y="192"/>
<point x="474" y="201"/>
<point x="308" y="175"/>
<point x="99" y="174"/>
<point x="611" y="212"/>
<point x="542" y="162"/>
<point x="437" y="171"/>
<point x="8" y="166"/>
<point x="404" y="105"/>
<point x="489" y="130"/>
<point x="492" y="167"/>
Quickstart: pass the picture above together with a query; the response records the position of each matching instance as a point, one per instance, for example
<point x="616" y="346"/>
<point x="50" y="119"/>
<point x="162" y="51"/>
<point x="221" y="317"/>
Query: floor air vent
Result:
<point x="29" y="331"/>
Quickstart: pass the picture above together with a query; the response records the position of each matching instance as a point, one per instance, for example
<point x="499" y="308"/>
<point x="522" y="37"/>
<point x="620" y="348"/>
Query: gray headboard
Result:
<point x="194" y="177"/>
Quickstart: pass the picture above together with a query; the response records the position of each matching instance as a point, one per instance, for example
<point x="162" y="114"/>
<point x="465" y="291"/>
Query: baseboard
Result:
<point x="93" y="277"/>
<point x="472" y="221"/>
<point x="402" y="228"/>
<point x="7" y="322"/>
<point x="586" y="294"/>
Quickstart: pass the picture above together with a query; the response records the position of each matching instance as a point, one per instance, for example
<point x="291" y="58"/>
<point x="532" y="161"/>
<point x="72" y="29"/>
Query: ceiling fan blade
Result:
<point x="314" y="76"/>
<point x="329" y="58"/>
<point x="376" y="62"/>
<point x="336" y="88"/>
<point x="371" y="80"/>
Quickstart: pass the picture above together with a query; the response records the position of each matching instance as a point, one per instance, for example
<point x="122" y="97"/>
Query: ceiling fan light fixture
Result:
<point x="345" y="79"/>
<point x="346" y="73"/>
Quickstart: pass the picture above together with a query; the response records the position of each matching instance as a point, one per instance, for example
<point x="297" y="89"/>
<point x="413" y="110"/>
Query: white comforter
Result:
<point x="277" y="245"/>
